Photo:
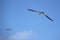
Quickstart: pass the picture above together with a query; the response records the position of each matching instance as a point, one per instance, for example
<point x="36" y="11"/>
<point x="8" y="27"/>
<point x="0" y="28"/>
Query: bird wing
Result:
<point x="33" y="10"/>
<point x="48" y="17"/>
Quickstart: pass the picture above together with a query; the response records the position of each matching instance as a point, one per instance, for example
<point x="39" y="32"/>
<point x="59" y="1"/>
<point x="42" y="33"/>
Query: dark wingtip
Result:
<point x="29" y="9"/>
<point x="52" y="20"/>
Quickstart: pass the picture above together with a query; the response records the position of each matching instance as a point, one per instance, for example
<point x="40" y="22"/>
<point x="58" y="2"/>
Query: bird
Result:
<point x="41" y="13"/>
<point x="8" y="29"/>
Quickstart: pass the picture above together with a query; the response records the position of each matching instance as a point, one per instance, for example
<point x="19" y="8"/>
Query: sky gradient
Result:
<point x="14" y="15"/>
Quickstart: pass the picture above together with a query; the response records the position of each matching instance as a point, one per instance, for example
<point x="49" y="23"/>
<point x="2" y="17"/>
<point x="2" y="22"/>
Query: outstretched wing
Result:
<point x="32" y="10"/>
<point x="48" y="17"/>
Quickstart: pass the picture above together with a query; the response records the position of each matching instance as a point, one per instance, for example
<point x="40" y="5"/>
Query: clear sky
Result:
<point x="27" y="25"/>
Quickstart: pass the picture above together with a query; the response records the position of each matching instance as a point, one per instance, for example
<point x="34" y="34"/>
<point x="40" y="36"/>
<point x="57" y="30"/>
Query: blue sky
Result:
<point x="14" y="15"/>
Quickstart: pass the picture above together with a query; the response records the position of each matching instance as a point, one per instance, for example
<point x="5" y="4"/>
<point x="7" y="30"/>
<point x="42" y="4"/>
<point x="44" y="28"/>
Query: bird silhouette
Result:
<point x="41" y="13"/>
<point x="8" y="29"/>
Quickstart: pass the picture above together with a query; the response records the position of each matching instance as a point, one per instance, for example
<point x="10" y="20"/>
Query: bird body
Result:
<point x="41" y="13"/>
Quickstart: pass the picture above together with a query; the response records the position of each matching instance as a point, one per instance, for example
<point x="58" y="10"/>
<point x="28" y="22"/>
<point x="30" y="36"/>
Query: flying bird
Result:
<point x="41" y="13"/>
<point x="8" y="29"/>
